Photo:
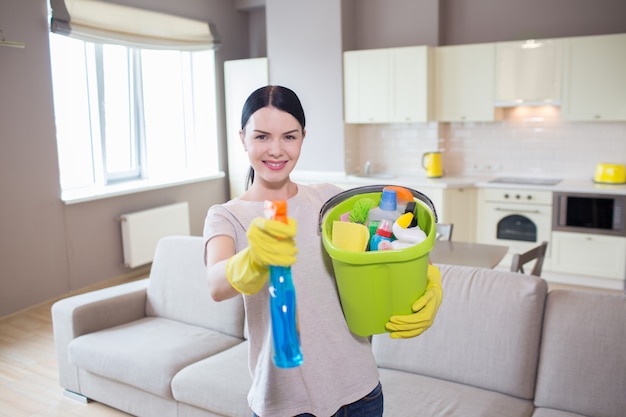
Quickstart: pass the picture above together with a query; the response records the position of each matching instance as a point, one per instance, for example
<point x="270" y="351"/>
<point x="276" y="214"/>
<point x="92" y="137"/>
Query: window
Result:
<point x="125" y="114"/>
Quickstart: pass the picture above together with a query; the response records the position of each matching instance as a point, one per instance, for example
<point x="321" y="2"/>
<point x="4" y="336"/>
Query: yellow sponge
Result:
<point x="351" y="237"/>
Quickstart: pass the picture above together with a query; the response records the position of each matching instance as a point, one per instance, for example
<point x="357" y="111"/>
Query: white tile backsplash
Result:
<point x="394" y="148"/>
<point x="528" y="141"/>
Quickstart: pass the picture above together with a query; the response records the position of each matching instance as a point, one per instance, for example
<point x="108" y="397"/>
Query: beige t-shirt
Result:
<point x="338" y="367"/>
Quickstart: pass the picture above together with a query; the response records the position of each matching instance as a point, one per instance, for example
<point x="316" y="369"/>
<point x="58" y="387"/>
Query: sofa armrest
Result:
<point x="91" y="312"/>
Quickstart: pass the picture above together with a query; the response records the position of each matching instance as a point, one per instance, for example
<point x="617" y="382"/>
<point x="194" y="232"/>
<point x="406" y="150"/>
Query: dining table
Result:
<point x="468" y="254"/>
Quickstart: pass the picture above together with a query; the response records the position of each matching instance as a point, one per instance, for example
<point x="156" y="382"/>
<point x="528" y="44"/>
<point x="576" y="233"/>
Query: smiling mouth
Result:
<point x="275" y="165"/>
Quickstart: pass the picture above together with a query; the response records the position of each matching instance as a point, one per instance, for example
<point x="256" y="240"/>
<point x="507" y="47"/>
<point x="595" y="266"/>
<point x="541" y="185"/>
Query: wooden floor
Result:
<point x="29" y="384"/>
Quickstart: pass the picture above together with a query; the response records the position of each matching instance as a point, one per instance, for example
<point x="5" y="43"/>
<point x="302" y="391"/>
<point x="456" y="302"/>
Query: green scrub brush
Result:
<point x="361" y="208"/>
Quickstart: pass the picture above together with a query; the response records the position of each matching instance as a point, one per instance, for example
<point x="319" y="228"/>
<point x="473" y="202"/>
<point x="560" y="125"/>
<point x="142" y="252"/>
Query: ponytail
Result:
<point x="249" y="178"/>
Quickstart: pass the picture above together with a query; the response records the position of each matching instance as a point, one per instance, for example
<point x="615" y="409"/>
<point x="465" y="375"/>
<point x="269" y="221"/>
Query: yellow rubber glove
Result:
<point x="270" y="242"/>
<point x="425" y="310"/>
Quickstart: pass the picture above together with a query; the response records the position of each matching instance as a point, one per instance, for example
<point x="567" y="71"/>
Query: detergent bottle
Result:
<point x="283" y="312"/>
<point x="382" y="238"/>
<point x="405" y="234"/>
<point x="387" y="208"/>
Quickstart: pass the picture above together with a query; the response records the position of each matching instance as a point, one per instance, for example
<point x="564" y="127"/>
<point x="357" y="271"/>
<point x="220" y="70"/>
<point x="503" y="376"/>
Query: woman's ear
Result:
<point x="241" y="137"/>
<point x="303" y="133"/>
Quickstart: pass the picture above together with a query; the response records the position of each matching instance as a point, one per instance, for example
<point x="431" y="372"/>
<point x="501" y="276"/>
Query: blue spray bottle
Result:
<point x="283" y="313"/>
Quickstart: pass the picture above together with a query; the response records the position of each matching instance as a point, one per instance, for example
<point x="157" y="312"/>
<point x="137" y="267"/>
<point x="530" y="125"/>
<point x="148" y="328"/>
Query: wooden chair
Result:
<point x="444" y="231"/>
<point x="536" y="254"/>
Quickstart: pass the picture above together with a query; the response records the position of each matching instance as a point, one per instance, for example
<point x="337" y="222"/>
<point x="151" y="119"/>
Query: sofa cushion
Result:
<point x="487" y="317"/>
<point x="178" y="288"/>
<point x="582" y="367"/>
<point x="219" y="384"/>
<point x="146" y="353"/>
<point x="409" y="394"/>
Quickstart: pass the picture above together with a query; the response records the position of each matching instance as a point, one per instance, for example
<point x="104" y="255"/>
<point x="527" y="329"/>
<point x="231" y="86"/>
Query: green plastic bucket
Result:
<point x="373" y="286"/>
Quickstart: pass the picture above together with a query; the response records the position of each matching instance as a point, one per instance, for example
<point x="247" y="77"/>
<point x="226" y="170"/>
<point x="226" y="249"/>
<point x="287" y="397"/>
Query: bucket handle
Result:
<point x="344" y="195"/>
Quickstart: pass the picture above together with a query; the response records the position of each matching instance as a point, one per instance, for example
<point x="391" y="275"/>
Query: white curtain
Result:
<point x="102" y="22"/>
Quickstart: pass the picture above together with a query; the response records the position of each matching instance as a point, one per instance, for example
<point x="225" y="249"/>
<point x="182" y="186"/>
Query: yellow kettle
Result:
<point x="610" y="174"/>
<point x="431" y="162"/>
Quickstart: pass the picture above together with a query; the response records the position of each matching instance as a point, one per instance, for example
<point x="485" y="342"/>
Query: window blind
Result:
<point x="102" y="22"/>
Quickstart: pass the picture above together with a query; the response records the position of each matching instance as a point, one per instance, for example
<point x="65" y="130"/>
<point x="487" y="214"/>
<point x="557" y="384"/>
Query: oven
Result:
<point x="518" y="218"/>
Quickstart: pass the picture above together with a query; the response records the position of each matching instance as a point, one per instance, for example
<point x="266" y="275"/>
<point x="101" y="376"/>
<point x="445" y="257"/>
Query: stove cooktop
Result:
<point x="526" y="181"/>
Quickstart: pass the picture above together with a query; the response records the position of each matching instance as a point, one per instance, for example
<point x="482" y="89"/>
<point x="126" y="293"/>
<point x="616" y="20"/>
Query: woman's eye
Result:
<point x="290" y="137"/>
<point x="261" y="137"/>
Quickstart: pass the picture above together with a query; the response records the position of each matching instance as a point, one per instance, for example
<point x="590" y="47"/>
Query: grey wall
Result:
<point x="47" y="248"/>
<point x="390" y="23"/>
<point x="33" y="258"/>
<point x="405" y="23"/>
<point x="475" y="21"/>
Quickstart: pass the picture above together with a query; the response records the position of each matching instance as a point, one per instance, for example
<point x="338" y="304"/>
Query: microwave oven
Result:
<point x="589" y="213"/>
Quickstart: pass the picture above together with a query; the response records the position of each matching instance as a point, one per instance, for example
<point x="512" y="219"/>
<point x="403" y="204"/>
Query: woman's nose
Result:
<point x="276" y="147"/>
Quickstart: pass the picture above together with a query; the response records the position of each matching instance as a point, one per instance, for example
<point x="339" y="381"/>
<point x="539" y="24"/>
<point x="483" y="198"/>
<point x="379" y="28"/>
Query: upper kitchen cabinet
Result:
<point x="528" y="72"/>
<point x="465" y="82"/>
<point x="366" y="81"/>
<point x="387" y="85"/>
<point x="595" y="78"/>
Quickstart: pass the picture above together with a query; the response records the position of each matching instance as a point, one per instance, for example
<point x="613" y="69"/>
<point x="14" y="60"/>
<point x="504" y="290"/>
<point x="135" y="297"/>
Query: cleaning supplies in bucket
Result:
<point x="348" y="236"/>
<point x="405" y="234"/>
<point x="386" y="209"/>
<point x="382" y="237"/>
<point x="374" y="285"/>
<point x="387" y="228"/>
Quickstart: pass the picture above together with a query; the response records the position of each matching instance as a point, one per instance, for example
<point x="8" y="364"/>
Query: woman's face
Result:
<point x="273" y="139"/>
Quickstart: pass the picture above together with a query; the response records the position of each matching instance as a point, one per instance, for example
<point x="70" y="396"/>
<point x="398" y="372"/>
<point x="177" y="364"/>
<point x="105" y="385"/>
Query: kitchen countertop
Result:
<point x="408" y="181"/>
<point x="566" y="185"/>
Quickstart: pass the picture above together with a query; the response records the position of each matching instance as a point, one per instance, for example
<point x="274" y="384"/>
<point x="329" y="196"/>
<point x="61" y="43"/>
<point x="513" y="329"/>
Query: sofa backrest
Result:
<point x="486" y="333"/>
<point x="582" y="364"/>
<point x="178" y="288"/>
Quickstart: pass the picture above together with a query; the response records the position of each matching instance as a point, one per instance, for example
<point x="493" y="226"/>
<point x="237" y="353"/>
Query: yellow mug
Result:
<point x="431" y="162"/>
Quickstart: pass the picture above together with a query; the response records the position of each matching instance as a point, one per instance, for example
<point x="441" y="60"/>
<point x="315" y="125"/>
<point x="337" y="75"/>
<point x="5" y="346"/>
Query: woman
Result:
<point x="338" y="372"/>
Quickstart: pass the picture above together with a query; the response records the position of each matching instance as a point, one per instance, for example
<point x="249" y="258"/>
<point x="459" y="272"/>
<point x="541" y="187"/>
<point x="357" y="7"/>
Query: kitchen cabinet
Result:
<point x="595" y="78"/>
<point x="389" y="85"/>
<point x="589" y="254"/>
<point x="459" y="208"/>
<point x="456" y="206"/>
<point x="241" y="77"/>
<point x="528" y="72"/>
<point x="465" y="83"/>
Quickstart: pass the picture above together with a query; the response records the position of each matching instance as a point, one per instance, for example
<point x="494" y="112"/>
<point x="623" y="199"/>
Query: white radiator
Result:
<point x="142" y="230"/>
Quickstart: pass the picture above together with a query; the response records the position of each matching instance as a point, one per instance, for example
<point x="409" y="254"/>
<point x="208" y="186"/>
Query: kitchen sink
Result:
<point x="526" y="181"/>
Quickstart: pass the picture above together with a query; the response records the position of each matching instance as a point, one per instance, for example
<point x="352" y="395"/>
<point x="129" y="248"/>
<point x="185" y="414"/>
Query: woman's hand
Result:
<point x="425" y="309"/>
<point x="270" y="243"/>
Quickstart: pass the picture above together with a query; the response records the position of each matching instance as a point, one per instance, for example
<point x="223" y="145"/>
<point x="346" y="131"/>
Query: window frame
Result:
<point x="107" y="184"/>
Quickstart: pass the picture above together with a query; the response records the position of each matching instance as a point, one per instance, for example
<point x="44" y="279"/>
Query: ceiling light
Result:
<point x="531" y="44"/>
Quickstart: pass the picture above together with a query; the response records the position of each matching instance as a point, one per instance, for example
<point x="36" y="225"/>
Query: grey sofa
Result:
<point x="501" y="346"/>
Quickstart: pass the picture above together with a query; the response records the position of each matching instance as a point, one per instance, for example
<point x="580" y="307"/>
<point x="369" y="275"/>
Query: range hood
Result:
<point x="526" y="102"/>
<point x="528" y="73"/>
